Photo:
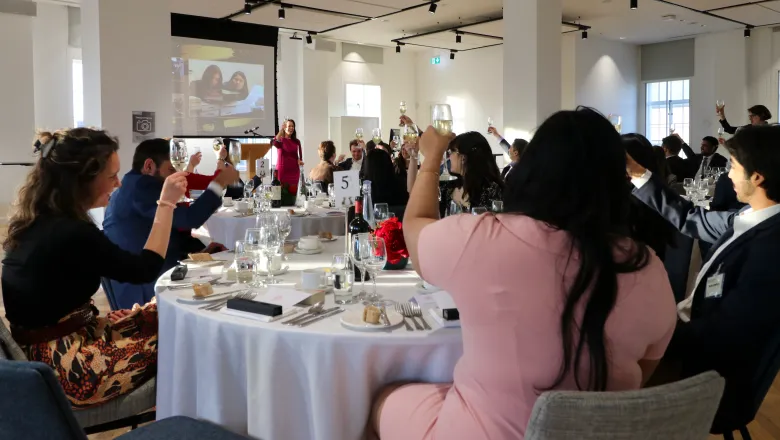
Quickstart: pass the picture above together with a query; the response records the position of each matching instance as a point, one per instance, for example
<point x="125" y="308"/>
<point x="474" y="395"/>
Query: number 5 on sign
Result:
<point x="347" y="187"/>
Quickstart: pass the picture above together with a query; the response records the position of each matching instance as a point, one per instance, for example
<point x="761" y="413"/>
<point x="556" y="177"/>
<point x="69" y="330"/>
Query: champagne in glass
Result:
<point x="397" y="142"/>
<point x="235" y="152"/>
<point x="490" y="122"/>
<point x="442" y="119"/>
<point x="719" y="104"/>
<point x="359" y="134"/>
<point x="218" y="144"/>
<point x="376" y="135"/>
<point x="410" y="133"/>
<point x="721" y="131"/>
<point x="179" y="156"/>
<point x="402" y="107"/>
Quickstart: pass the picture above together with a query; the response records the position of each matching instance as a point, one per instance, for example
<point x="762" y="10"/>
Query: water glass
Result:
<point x="343" y="276"/>
<point x="271" y="242"/>
<point x="479" y="210"/>
<point x="373" y="254"/>
<point x="381" y="212"/>
<point x="454" y="209"/>
<point x="245" y="263"/>
<point x="252" y="247"/>
<point x="498" y="206"/>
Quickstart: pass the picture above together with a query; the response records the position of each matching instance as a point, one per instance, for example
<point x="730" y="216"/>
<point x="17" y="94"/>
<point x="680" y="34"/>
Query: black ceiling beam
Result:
<point x="448" y="49"/>
<point x="480" y="47"/>
<point x="408" y="8"/>
<point x="452" y="28"/>
<point x="739" y="5"/>
<point x="241" y="11"/>
<point x="284" y="5"/>
<point x="709" y="14"/>
<point x="474" y="34"/>
<point x="580" y="27"/>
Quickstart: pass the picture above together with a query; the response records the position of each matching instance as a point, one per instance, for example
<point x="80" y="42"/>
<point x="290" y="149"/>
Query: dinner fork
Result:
<point x="407" y="308"/>
<point x="399" y="309"/>
<point x="417" y="311"/>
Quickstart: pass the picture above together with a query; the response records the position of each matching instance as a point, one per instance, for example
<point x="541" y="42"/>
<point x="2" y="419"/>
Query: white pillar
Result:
<point x="532" y="64"/>
<point x="17" y="108"/>
<point x="53" y="68"/>
<point x="127" y="67"/>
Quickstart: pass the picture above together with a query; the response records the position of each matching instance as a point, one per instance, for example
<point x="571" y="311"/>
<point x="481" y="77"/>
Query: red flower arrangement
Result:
<point x="391" y="231"/>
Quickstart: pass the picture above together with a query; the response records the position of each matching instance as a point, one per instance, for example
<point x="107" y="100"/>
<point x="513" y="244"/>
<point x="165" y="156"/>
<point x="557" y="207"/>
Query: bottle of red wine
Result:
<point x="358" y="225"/>
<point x="276" y="191"/>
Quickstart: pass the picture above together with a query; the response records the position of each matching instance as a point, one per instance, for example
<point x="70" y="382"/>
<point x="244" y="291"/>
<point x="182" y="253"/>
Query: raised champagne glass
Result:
<point x="376" y="135"/>
<point x="359" y="134"/>
<point x="179" y="156"/>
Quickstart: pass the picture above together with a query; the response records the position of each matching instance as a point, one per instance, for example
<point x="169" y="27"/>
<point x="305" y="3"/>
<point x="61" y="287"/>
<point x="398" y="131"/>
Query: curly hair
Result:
<point x="327" y="150"/>
<point x="60" y="182"/>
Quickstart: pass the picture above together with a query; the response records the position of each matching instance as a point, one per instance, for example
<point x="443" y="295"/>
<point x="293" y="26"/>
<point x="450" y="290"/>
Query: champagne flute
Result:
<point x="235" y="152"/>
<point x="373" y="254"/>
<point x="402" y="107"/>
<point x="376" y="135"/>
<point x="179" y="156"/>
<point x="410" y="133"/>
<point x="218" y="144"/>
<point x="359" y="134"/>
<point x="442" y="119"/>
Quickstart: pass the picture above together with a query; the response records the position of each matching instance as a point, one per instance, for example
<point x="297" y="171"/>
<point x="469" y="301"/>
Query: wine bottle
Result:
<point x="358" y="225"/>
<point x="276" y="191"/>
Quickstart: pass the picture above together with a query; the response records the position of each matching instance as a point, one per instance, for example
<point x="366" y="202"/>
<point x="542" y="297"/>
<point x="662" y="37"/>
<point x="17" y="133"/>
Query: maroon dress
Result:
<point x="288" y="153"/>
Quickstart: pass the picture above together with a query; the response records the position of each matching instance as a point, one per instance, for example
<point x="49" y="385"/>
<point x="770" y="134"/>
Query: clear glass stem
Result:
<point x="362" y="280"/>
<point x="374" y="295"/>
<point x="271" y="279"/>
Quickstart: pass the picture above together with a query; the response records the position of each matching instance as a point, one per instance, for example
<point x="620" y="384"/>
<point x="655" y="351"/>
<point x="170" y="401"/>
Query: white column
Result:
<point x="532" y="64"/>
<point x="53" y="69"/>
<point x="17" y="108"/>
<point x="127" y="67"/>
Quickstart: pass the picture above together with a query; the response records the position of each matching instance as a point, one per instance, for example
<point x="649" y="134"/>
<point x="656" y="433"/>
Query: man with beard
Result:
<point x="130" y="212"/>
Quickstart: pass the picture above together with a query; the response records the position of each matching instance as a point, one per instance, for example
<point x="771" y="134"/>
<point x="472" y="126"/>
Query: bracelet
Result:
<point x="164" y="203"/>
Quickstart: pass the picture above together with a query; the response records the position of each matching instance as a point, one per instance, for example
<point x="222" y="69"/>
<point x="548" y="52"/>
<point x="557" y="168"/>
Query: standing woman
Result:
<point x="289" y="155"/>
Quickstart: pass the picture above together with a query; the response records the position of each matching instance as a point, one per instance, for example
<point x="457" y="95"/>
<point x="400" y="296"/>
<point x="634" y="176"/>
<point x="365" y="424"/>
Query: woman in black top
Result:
<point x="758" y="115"/>
<point x="479" y="181"/>
<point x="55" y="258"/>
<point x="385" y="188"/>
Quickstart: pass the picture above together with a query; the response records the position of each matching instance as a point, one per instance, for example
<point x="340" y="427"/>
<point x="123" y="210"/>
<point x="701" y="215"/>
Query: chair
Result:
<point x="108" y="289"/>
<point x="34" y="407"/>
<point x="679" y="411"/>
<point x="128" y="410"/>
<point x="736" y="412"/>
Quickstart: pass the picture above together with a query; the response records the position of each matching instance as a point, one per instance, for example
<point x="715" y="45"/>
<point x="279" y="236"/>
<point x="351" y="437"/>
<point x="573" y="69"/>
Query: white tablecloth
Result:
<point x="226" y="228"/>
<point x="274" y="382"/>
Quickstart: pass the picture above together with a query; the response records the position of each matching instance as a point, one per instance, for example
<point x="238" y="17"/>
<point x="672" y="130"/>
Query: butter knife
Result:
<point x="331" y="312"/>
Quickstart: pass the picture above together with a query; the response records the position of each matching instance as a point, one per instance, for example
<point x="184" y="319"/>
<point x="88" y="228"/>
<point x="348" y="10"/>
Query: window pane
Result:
<point x="355" y="100"/>
<point x="676" y="90"/>
<point x="78" y="94"/>
<point x="372" y="101"/>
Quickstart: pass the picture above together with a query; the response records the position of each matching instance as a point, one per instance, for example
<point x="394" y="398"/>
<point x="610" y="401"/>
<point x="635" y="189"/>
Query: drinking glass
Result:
<point x="359" y="133"/>
<point x="332" y="194"/>
<point x="245" y="263"/>
<point x="498" y="206"/>
<point x="719" y="104"/>
<point x="179" y="156"/>
<point x="688" y="186"/>
<point x="479" y="210"/>
<point x="252" y="247"/>
<point x="442" y="119"/>
<point x="235" y="152"/>
<point x="455" y="209"/>
<point x="672" y="129"/>
<point x="410" y="133"/>
<point x="616" y="121"/>
<point x="218" y="144"/>
<point x="402" y="107"/>
<point x="490" y="122"/>
<point x="381" y="212"/>
<point x="397" y="142"/>
<point x="271" y="242"/>
<point x="284" y="222"/>
<point x="445" y="172"/>
<point x="343" y="276"/>
<point x="391" y="215"/>
<point x="376" y="135"/>
<point x="317" y="189"/>
<point x="721" y="131"/>
<point x="249" y="186"/>
<point x="373" y="254"/>
<point x="354" y="255"/>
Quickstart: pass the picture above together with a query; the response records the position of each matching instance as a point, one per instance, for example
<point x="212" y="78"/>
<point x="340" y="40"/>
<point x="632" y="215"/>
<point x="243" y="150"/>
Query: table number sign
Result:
<point x="346" y="185"/>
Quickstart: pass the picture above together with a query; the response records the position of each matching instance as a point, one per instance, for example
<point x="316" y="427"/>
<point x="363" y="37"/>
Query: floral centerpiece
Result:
<point x="289" y="193"/>
<point x="391" y="230"/>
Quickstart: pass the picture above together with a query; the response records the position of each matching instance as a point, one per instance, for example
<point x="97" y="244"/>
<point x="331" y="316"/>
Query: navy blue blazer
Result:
<point x="730" y="333"/>
<point x="725" y="198"/>
<point x="129" y="219"/>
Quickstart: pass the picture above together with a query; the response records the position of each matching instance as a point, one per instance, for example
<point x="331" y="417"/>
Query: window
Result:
<point x="364" y="100"/>
<point x="78" y="93"/>
<point x="458" y="108"/>
<point x="668" y="107"/>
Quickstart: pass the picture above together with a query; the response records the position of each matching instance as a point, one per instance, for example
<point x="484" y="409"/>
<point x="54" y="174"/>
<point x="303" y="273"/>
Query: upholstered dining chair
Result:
<point x="34" y="407"/>
<point x="129" y="410"/>
<point x="679" y="411"/>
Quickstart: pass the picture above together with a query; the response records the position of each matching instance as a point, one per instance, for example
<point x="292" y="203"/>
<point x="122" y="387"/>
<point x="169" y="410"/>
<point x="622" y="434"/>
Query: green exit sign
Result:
<point x="436" y="60"/>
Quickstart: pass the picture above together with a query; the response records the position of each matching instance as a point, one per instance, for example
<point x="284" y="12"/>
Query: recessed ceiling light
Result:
<point x="622" y="38"/>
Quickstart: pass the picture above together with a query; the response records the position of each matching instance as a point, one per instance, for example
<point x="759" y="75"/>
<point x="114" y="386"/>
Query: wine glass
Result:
<point x="397" y="142"/>
<point x="402" y="107"/>
<point x="271" y="242"/>
<point x="498" y="206"/>
<point x="616" y="121"/>
<point x="410" y="133"/>
<point x="381" y="212"/>
<point x="249" y="186"/>
<point x="373" y="254"/>
<point x="721" y="131"/>
<point x="284" y="222"/>
<point x="253" y="247"/>
<point x="355" y="244"/>
<point x="672" y="129"/>
<point x="179" y="156"/>
<point x="688" y="186"/>
<point x="376" y="135"/>
<point x="490" y="122"/>
<point x="719" y="104"/>
<point x="359" y="134"/>
<point x="454" y="208"/>
<point x="218" y="144"/>
<point x="332" y="194"/>
<point x="235" y="152"/>
<point x="442" y="119"/>
<point x="479" y="210"/>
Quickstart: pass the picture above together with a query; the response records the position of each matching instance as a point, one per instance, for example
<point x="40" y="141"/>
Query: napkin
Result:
<point x="264" y="318"/>
<point x="435" y="313"/>
<point x="444" y="300"/>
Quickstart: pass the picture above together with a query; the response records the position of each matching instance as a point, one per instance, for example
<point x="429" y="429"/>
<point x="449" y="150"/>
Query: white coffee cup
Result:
<point x="311" y="279"/>
<point x="309" y="243"/>
<point x="276" y="263"/>
<point x="307" y="205"/>
<point x="227" y="201"/>
<point x="242" y="206"/>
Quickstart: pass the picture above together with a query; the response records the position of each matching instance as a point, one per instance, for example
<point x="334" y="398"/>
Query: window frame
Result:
<point x="670" y="104"/>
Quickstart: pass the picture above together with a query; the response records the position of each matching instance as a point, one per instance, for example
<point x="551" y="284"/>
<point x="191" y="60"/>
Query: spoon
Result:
<point x="314" y="310"/>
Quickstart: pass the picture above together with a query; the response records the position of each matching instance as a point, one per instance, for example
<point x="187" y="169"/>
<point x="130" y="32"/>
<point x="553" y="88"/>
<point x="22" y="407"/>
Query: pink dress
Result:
<point x="288" y="152"/>
<point x="505" y="275"/>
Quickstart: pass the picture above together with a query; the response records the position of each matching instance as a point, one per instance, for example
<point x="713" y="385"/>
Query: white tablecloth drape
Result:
<point x="226" y="228"/>
<point x="273" y="382"/>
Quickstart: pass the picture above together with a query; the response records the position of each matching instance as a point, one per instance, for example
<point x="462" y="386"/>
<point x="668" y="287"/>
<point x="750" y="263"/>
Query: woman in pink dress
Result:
<point x="552" y="295"/>
<point x="289" y="156"/>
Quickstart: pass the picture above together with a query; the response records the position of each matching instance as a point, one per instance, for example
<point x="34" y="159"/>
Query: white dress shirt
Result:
<point x="742" y="223"/>
<point x="356" y="164"/>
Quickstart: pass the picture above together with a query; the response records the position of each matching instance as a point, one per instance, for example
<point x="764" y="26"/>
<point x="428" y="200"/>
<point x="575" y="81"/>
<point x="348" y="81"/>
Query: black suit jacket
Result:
<point x="678" y="167"/>
<point x="730" y="333"/>
<point x="725" y="198"/>
<point x="346" y="165"/>
<point x="694" y="160"/>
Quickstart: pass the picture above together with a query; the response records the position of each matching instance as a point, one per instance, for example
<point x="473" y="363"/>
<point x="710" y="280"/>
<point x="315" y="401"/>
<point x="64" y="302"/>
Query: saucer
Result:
<point x="281" y="271"/>
<point x="308" y="251"/>
<point x="353" y="320"/>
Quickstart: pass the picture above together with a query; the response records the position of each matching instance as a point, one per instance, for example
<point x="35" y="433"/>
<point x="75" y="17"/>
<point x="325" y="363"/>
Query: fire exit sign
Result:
<point x="436" y="60"/>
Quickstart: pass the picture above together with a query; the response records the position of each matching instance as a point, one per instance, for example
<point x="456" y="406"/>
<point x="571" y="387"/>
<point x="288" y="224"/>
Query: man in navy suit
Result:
<point x="734" y="311"/>
<point x="130" y="212"/>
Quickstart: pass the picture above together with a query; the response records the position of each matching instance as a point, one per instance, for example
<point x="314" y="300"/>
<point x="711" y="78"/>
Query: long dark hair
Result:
<point x="378" y="168"/>
<point x="573" y="178"/>
<point x="208" y="75"/>
<point x="244" y="92"/>
<point x="650" y="157"/>
<point x="59" y="183"/>
<point x="480" y="168"/>
<point x="282" y="131"/>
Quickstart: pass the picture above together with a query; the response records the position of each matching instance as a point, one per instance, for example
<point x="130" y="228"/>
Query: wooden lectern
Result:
<point x="252" y="152"/>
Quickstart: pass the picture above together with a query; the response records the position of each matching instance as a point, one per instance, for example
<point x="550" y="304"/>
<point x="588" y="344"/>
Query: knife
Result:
<point x="327" y="313"/>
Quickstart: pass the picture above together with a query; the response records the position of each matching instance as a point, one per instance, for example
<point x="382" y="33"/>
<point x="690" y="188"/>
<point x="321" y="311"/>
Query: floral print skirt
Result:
<point x="103" y="360"/>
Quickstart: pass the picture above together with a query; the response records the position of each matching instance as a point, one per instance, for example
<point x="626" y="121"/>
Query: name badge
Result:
<point x="714" y="286"/>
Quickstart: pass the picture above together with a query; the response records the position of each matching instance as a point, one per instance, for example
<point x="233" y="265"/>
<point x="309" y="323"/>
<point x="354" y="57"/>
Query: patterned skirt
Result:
<point x="103" y="360"/>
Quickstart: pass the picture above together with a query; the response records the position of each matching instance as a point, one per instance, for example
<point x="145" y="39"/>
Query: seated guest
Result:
<point x="405" y="166"/>
<point x="383" y="146"/>
<point x="385" y="187"/>
<point x="323" y="172"/>
<point x="515" y="151"/>
<point x="758" y="115"/>
<point x="734" y="310"/>
<point x="130" y="212"/>
<point x="356" y="161"/>
<point x="707" y="159"/>
<point x="480" y="182"/>
<point x="552" y="295"/>
<point x="55" y="257"/>
<point x="679" y="167"/>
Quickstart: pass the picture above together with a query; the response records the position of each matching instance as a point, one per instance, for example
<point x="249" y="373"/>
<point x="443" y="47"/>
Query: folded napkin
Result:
<point x="263" y="318"/>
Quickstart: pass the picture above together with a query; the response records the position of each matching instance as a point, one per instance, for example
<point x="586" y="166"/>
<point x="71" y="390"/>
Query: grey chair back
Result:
<point x="33" y="405"/>
<point x="9" y="349"/>
<point x="679" y="411"/>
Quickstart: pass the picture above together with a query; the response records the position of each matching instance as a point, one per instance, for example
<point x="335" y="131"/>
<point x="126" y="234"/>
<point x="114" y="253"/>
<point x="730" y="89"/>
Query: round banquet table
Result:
<point x="271" y="381"/>
<point x="227" y="226"/>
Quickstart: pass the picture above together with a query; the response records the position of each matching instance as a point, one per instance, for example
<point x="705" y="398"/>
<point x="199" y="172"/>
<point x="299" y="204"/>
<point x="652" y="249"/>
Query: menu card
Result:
<point x="287" y="298"/>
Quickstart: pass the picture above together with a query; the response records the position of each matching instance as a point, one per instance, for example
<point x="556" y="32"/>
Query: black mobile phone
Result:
<point x="179" y="273"/>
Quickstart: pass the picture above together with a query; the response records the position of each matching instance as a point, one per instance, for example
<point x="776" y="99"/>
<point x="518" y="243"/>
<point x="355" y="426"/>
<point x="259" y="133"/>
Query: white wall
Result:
<point x="52" y="68"/>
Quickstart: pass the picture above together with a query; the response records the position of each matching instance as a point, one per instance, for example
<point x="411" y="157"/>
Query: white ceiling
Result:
<point x="611" y="19"/>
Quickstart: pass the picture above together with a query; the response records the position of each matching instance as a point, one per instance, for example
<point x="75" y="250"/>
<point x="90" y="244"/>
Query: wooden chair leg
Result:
<point x="745" y="433"/>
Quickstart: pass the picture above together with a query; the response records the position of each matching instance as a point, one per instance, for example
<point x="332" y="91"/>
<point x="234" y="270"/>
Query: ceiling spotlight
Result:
<point x="747" y="32"/>
<point x="584" y="35"/>
<point x="295" y="36"/>
<point x="452" y="54"/>
<point x="432" y="8"/>
<point x="247" y="8"/>
<point x="398" y="49"/>
<point x="308" y="39"/>
<point x="281" y="13"/>
<point x="458" y="38"/>
<point x="634" y="4"/>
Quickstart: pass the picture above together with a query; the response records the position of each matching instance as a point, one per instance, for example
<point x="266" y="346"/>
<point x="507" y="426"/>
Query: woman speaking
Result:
<point x="289" y="155"/>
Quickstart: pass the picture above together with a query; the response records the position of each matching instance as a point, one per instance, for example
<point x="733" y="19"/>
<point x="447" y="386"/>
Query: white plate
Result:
<point x="329" y="239"/>
<point x="281" y="271"/>
<point x="190" y="262"/>
<point x="191" y="299"/>
<point x="166" y="282"/>
<point x="353" y="320"/>
<point x="308" y="251"/>
<point x="421" y="288"/>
